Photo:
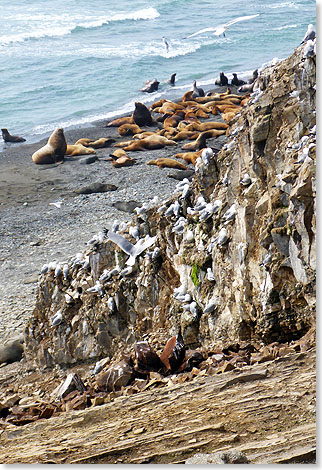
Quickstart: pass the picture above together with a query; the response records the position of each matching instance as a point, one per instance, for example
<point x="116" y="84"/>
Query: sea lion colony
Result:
<point x="175" y="122"/>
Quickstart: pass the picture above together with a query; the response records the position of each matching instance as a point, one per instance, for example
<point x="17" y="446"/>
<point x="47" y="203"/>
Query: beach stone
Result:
<point x="88" y="160"/>
<point x="226" y="457"/>
<point x="72" y="382"/>
<point x="126" y="206"/>
<point x="96" y="188"/>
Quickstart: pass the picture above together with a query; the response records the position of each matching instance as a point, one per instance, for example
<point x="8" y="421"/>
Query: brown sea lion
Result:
<point x="7" y="137"/>
<point x="187" y="96"/>
<point x="84" y="141"/>
<point x="229" y="116"/>
<point x="189" y="157"/>
<point x="129" y="129"/>
<point x="122" y="161"/>
<point x="151" y="142"/>
<point x="78" y="149"/>
<point x="167" y="163"/>
<point x="185" y="134"/>
<point x="199" y="143"/>
<point x="53" y="151"/>
<point x="119" y="121"/>
<point x="142" y="115"/>
<point x="119" y="153"/>
<point x="101" y="143"/>
<point x="158" y="103"/>
<point x="206" y="126"/>
<point x="173" y="121"/>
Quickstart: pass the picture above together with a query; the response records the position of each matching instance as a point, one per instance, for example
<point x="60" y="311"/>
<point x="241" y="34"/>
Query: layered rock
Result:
<point x="234" y="254"/>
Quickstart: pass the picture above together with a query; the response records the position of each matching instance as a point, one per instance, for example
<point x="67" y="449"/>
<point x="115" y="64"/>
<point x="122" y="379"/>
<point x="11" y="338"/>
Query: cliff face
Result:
<point x="234" y="255"/>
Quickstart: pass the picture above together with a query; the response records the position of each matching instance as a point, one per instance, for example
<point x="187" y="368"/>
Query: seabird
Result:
<point x="310" y="34"/>
<point x="218" y="30"/>
<point x="132" y="250"/>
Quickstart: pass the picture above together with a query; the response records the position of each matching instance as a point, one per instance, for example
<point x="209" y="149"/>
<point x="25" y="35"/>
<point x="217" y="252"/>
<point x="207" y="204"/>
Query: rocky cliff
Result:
<point x="230" y="257"/>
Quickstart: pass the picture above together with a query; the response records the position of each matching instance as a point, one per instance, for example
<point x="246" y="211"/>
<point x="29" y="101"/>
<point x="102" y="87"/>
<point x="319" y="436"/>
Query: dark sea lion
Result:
<point x="182" y="174"/>
<point x="7" y="137"/>
<point x="151" y="86"/>
<point x="248" y="87"/>
<point x="53" y="151"/>
<point x="222" y="80"/>
<point x="12" y="351"/>
<point x="172" y="79"/>
<point x="142" y="115"/>
<point x="197" y="91"/>
<point x="254" y="77"/>
<point x="236" y="81"/>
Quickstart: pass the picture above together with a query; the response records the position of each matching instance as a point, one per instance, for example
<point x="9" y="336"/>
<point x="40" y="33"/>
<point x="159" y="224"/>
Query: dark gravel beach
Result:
<point x="34" y="231"/>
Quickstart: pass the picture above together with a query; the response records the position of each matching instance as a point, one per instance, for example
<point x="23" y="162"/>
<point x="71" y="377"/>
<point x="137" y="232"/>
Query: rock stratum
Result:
<point x="229" y="261"/>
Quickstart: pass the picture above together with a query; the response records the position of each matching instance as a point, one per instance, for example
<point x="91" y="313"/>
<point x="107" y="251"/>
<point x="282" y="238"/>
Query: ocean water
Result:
<point x="69" y="63"/>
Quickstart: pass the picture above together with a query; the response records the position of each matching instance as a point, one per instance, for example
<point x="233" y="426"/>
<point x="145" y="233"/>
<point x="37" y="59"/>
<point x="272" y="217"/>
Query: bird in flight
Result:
<point x="218" y="30"/>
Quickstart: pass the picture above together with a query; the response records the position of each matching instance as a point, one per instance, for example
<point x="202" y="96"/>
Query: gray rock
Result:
<point x="226" y="457"/>
<point x="96" y="188"/>
<point x="88" y="160"/>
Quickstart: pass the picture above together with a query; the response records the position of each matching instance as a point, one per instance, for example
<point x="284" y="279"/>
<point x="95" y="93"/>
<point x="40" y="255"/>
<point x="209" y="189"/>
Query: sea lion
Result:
<point x="84" y="141"/>
<point x="185" y="134"/>
<point x="182" y="174"/>
<point x="78" y="149"/>
<point x="222" y="80"/>
<point x="172" y="79"/>
<point x="53" y="151"/>
<point x="118" y="153"/>
<point x="119" y="121"/>
<point x="254" y="77"/>
<point x="158" y="103"/>
<point x="229" y="115"/>
<point x="150" y="86"/>
<point x="187" y="96"/>
<point x="196" y="92"/>
<point x="248" y="87"/>
<point x="11" y="351"/>
<point x="199" y="143"/>
<point x="167" y="163"/>
<point x="206" y="126"/>
<point x="236" y="81"/>
<point x="189" y="157"/>
<point x="142" y="115"/>
<point x="129" y="129"/>
<point x="151" y="142"/>
<point x="100" y="143"/>
<point x="14" y="139"/>
<point x="122" y="161"/>
<point x="173" y="121"/>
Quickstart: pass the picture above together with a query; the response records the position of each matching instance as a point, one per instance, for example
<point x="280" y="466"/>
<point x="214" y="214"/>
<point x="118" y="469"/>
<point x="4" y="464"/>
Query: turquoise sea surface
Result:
<point x="70" y="63"/>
